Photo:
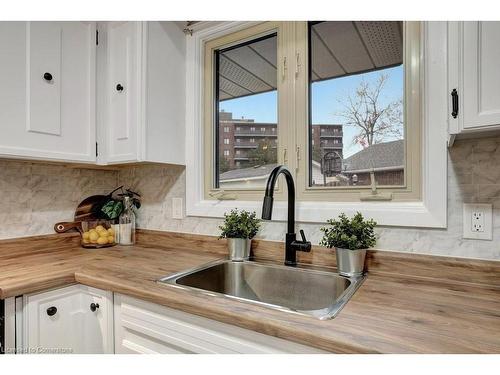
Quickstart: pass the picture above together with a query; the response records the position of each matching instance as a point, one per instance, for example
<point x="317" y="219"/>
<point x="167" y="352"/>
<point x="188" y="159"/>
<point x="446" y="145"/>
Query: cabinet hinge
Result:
<point x="97" y="37"/>
<point x="96" y="149"/>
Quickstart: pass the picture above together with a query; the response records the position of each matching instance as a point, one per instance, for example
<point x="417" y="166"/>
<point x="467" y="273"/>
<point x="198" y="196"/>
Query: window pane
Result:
<point x="246" y="105"/>
<point x="356" y="78"/>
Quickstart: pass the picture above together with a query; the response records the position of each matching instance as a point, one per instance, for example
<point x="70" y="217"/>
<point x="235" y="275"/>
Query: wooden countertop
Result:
<point x="438" y="305"/>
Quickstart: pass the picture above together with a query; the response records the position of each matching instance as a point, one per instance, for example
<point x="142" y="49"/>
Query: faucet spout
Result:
<point x="267" y="207"/>
<point x="291" y="243"/>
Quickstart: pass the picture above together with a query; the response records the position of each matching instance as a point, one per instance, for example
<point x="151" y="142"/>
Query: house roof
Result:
<point x="246" y="173"/>
<point x="388" y="155"/>
<point x="378" y="156"/>
<point x="251" y="68"/>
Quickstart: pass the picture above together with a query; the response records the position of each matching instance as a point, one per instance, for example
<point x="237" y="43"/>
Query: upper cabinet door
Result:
<point x="141" y="92"/>
<point x="481" y="74"/>
<point x="123" y="91"/>
<point x="47" y="93"/>
<point x="474" y="76"/>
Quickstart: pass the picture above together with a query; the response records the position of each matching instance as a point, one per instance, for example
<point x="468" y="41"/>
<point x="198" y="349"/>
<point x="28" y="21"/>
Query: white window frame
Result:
<point x="430" y="212"/>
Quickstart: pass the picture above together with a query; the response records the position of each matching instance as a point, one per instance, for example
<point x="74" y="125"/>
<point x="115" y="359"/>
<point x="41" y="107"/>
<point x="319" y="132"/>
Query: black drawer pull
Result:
<point x="119" y="87"/>
<point x="47" y="77"/>
<point x="51" y="311"/>
<point x="94" y="306"/>
<point x="454" y="103"/>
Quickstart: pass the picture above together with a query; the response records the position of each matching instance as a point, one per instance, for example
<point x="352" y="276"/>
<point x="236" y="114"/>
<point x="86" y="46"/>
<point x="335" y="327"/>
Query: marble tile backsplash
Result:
<point x="38" y="195"/>
<point x="35" y="196"/>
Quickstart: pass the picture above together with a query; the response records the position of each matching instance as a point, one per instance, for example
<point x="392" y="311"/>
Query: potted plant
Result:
<point x="239" y="228"/>
<point x="350" y="238"/>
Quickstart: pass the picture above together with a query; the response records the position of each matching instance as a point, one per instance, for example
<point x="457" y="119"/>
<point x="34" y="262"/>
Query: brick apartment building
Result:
<point x="237" y="137"/>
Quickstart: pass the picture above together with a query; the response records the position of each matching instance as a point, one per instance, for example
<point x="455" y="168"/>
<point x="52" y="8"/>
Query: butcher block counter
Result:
<point x="408" y="303"/>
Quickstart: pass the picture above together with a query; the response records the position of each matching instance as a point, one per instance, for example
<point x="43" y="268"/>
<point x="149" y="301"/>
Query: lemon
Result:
<point x="111" y="239"/>
<point x="86" y="240"/>
<point x="93" y="236"/>
<point x="111" y="232"/>
<point x="85" y="235"/>
<point x="99" y="228"/>
<point x="102" y="240"/>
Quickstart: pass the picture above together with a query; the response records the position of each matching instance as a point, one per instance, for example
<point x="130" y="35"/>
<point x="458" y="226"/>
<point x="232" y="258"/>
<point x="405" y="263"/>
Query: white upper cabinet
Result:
<point x="71" y="95"/>
<point x="474" y="56"/>
<point x="141" y="113"/>
<point x="47" y="90"/>
<point x="122" y="90"/>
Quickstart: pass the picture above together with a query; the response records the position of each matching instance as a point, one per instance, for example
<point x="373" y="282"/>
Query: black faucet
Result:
<point x="291" y="243"/>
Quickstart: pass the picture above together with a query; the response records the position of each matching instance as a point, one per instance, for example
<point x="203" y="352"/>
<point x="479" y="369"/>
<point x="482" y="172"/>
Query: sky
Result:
<point x="327" y="97"/>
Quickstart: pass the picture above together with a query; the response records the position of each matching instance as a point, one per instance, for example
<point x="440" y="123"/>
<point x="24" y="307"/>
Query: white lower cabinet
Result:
<point x="144" y="327"/>
<point x="80" y="319"/>
<point x="74" y="319"/>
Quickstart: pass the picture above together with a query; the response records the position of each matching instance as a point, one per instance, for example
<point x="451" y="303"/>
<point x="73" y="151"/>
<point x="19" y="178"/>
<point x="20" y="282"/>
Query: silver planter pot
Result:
<point x="350" y="262"/>
<point x="239" y="248"/>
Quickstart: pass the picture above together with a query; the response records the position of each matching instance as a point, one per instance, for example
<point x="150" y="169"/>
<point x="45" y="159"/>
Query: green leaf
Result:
<point x="112" y="209"/>
<point x="345" y="233"/>
<point x="239" y="224"/>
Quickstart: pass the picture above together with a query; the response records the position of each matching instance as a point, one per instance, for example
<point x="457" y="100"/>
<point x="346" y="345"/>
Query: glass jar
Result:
<point x="127" y="223"/>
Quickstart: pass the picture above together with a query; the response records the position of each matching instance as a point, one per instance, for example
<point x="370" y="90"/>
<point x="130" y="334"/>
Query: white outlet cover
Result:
<point x="487" y="211"/>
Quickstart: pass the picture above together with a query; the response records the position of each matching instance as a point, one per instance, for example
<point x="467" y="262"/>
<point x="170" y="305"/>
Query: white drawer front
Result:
<point x="143" y="327"/>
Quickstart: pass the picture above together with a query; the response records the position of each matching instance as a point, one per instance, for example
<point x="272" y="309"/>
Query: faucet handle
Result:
<point x="303" y="236"/>
<point x="303" y="245"/>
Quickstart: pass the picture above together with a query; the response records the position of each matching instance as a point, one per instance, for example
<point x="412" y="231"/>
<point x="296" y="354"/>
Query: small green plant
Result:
<point x="113" y="207"/>
<point x="345" y="233"/>
<point x="239" y="224"/>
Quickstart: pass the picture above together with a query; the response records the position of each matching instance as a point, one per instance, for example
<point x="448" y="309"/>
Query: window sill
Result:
<point x="404" y="214"/>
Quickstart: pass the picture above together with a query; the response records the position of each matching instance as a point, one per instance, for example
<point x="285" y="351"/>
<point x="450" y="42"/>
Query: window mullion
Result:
<point x="287" y="113"/>
<point x="300" y="104"/>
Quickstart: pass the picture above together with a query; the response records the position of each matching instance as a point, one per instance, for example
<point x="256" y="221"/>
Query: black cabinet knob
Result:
<point x="51" y="311"/>
<point x="94" y="306"/>
<point x="119" y="87"/>
<point x="47" y="77"/>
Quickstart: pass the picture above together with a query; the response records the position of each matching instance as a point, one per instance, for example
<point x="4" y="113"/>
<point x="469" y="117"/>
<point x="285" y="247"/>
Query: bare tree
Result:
<point x="375" y="122"/>
<point x="265" y="153"/>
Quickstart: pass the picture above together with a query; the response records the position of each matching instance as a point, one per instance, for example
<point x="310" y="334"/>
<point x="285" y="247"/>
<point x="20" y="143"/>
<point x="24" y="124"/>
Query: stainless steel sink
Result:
<point x="307" y="291"/>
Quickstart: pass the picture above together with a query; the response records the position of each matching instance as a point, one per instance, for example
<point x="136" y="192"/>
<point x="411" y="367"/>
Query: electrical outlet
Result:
<point x="177" y="208"/>
<point x="478" y="221"/>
